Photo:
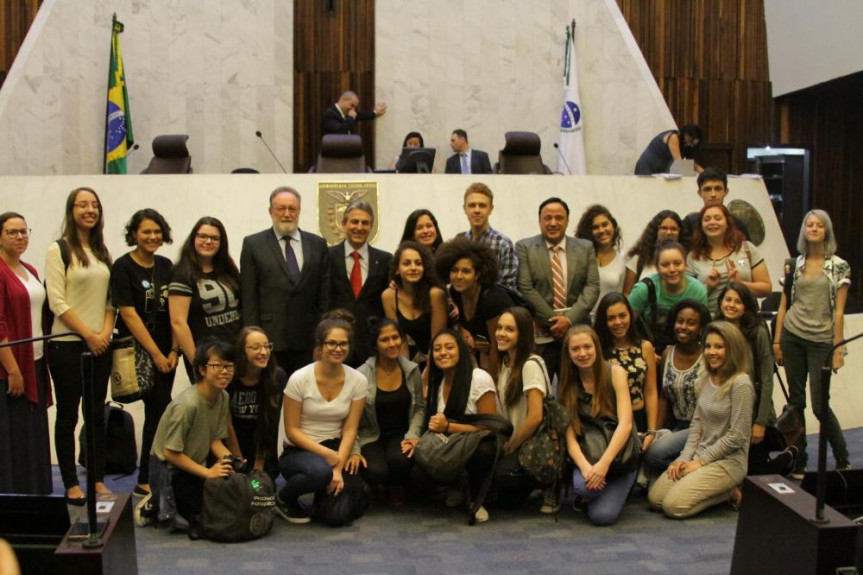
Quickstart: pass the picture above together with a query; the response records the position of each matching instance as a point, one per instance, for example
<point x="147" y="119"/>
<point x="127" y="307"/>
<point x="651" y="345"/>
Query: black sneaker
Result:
<point x="843" y="465"/>
<point x="579" y="505"/>
<point x="799" y="470"/>
<point x="292" y="513"/>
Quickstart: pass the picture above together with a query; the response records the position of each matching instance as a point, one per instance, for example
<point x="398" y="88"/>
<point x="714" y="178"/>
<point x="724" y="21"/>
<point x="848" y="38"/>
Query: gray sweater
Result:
<point x="369" y="431"/>
<point x="720" y="430"/>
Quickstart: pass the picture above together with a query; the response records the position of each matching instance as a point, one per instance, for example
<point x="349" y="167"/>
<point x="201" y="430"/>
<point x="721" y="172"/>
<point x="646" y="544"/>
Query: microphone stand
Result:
<point x="93" y="540"/>
<point x="821" y="484"/>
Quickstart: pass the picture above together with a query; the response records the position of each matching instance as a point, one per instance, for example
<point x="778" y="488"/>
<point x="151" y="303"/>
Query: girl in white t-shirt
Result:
<point x="322" y="408"/>
<point x="457" y="389"/>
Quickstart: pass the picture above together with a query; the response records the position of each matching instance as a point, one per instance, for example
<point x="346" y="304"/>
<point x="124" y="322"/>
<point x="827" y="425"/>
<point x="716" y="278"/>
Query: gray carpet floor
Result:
<point x="427" y="538"/>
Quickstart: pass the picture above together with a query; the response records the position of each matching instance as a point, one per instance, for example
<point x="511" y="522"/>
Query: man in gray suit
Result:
<point x="578" y="279"/>
<point x="285" y="281"/>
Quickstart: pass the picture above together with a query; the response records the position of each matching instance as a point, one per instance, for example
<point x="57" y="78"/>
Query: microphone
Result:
<point x="559" y="153"/>
<point x="132" y="149"/>
<point x="259" y="135"/>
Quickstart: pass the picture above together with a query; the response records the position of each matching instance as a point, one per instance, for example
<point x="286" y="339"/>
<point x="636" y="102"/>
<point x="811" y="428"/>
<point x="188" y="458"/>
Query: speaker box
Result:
<point x="776" y="533"/>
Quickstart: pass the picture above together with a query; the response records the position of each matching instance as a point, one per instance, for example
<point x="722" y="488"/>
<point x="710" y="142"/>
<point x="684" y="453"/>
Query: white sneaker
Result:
<point x="143" y="511"/>
<point x="481" y="515"/>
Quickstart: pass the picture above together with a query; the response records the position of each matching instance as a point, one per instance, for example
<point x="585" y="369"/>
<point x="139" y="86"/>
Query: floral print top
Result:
<point x="632" y="361"/>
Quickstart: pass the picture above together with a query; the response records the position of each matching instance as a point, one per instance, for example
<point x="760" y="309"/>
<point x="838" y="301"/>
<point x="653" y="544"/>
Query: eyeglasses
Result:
<point x="22" y="233"/>
<point x="334" y="345"/>
<point x="226" y="367"/>
<point x="85" y="205"/>
<point x="282" y="209"/>
<point x="208" y="238"/>
<point x="256" y="347"/>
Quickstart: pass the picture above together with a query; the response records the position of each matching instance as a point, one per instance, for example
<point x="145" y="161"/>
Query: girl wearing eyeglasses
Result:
<point x="139" y="289"/>
<point x="77" y="275"/>
<point x="25" y="453"/>
<point x="204" y="295"/>
<point x="256" y="399"/>
<point x="322" y="407"/>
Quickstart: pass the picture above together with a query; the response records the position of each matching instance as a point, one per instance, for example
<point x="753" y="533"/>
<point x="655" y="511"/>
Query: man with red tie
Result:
<point x="359" y="274"/>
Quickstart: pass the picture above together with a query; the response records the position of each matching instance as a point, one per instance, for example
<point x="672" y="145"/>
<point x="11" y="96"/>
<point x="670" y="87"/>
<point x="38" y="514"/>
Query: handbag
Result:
<point x="132" y="371"/>
<point x="595" y="437"/>
<point x="543" y="454"/>
<point x="790" y="422"/>
<point x="238" y="507"/>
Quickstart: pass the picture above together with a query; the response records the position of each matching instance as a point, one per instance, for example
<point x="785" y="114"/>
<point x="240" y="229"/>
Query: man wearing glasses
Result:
<point x="285" y="281"/>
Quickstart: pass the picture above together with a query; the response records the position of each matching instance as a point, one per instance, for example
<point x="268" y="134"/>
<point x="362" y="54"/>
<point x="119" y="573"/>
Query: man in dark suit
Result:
<point x="285" y="281"/>
<point x="578" y="280"/>
<point x="466" y="160"/>
<point x="340" y="117"/>
<point x="359" y="274"/>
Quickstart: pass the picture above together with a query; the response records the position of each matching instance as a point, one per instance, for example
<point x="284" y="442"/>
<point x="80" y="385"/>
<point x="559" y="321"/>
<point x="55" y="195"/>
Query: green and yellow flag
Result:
<point x="118" y="125"/>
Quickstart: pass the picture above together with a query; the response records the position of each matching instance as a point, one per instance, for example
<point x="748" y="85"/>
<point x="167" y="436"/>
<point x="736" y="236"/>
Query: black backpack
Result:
<point x="647" y="325"/>
<point x="121" y="449"/>
<point x="238" y="507"/>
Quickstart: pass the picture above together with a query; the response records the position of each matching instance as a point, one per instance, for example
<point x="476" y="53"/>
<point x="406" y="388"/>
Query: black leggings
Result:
<point x="386" y="464"/>
<point x="65" y="367"/>
<point x="154" y="406"/>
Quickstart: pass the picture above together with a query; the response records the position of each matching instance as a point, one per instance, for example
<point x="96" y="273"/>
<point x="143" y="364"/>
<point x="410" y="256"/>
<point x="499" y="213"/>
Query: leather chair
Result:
<point x="520" y="155"/>
<point x="171" y="156"/>
<point x="341" y="154"/>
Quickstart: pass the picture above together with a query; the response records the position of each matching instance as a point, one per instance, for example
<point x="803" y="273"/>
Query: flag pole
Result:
<point x="108" y="100"/>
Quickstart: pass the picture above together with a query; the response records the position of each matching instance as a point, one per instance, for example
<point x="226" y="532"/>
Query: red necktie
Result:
<point x="356" y="275"/>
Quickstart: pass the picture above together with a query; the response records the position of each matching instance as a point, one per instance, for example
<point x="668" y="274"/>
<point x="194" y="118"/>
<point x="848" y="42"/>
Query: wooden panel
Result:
<point x="15" y="19"/>
<point x="828" y="119"/>
<point x="333" y="52"/>
<point x="709" y="58"/>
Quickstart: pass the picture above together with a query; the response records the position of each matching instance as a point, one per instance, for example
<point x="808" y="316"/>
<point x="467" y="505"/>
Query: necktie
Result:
<point x="464" y="167"/>
<point x="291" y="260"/>
<point x="557" y="279"/>
<point x="356" y="275"/>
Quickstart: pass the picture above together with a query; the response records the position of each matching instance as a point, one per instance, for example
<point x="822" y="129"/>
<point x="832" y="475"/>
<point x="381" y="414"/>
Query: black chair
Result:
<point x="520" y="155"/>
<point x="341" y="154"/>
<point x="171" y="156"/>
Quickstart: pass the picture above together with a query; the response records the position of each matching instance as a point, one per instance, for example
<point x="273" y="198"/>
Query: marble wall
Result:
<point x="219" y="70"/>
<point x="216" y="70"/>
<point x="490" y="66"/>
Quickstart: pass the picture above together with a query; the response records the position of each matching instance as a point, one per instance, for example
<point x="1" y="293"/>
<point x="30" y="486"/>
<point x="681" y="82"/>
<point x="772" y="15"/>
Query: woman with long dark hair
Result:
<point x="600" y="227"/>
<point x="666" y="226"/>
<point x="591" y="388"/>
<point x="457" y="389"/>
<point x="739" y="308"/>
<point x="422" y="228"/>
<point x="393" y="417"/>
<point x="25" y="392"/>
<point x="810" y="322"/>
<point x="713" y="461"/>
<point x="415" y="299"/>
<point x="522" y="384"/>
<point x="621" y="344"/>
<point x="255" y="400"/>
<point x="204" y="295"/>
<point x="720" y="253"/>
<point x="77" y="277"/>
<point x="139" y="289"/>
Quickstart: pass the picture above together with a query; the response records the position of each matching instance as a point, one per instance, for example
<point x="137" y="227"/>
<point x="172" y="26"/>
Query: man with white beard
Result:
<point x="285" y="281"/>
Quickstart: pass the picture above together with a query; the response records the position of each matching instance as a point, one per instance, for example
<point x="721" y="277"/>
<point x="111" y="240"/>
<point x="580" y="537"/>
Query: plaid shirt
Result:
<point x="502" y="245"/>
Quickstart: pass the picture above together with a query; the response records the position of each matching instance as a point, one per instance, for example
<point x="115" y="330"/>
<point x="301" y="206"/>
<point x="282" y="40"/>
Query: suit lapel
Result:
<point x="276" y="249"/>
<point x="571" y="261"/>
<point x="374" y="269"/>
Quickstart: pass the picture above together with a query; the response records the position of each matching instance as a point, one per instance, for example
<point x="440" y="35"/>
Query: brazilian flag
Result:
<point x="118" y="127"/>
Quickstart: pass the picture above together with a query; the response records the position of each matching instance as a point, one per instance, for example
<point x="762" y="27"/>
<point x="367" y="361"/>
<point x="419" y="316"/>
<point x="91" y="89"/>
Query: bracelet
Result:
<point x="176" y="350"/>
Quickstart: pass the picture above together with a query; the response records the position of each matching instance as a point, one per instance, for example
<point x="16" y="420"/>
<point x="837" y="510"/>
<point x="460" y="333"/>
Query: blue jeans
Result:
<point x="304" y="472"/>
<point x="663" y="451"/>
<point x="604" y="506"/>
<point x="802" y="357"/>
